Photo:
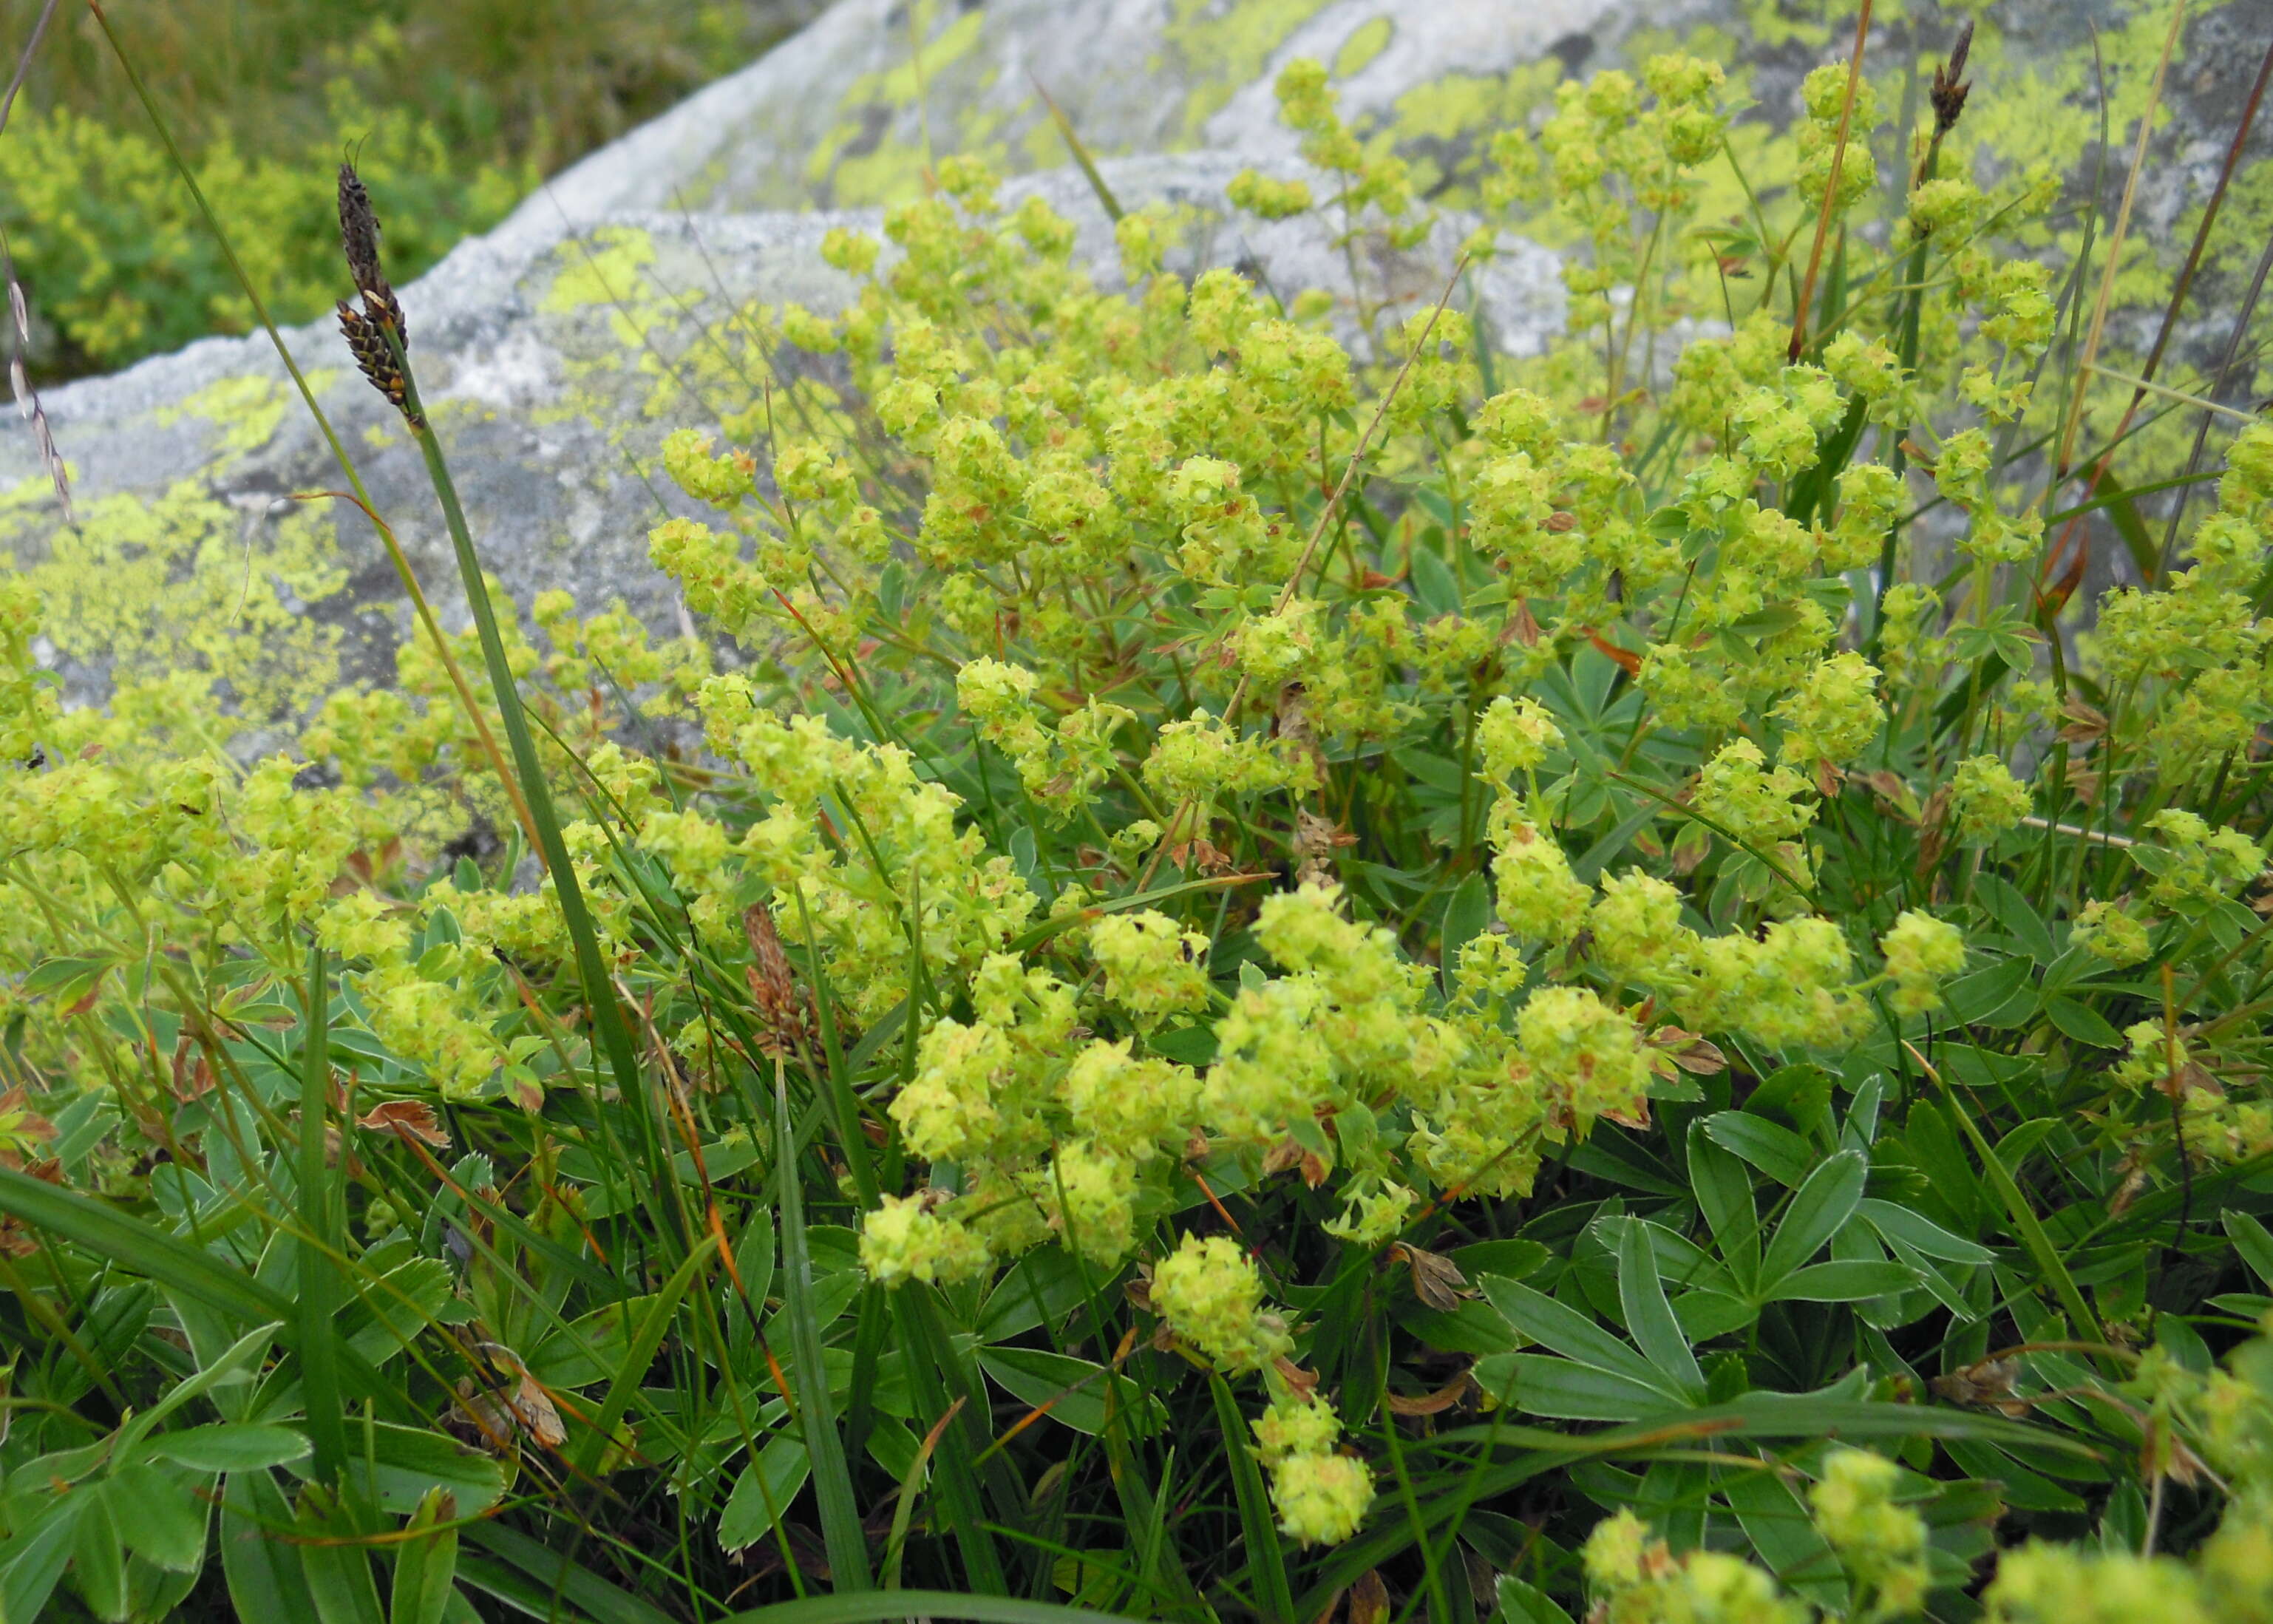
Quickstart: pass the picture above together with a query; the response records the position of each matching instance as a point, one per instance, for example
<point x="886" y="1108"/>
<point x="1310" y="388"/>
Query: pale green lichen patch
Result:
<point x="889" y="120"/>
<point x="247" y="410"/>
<point x="1366" y="41"/>
<point x="602" y="268"/>
<point x="145" y="587"/>
<point x="1217" y="49"/>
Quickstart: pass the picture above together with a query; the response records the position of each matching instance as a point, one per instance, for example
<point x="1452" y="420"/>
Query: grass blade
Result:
<point x="317" y="1281"/>
<point x="916" y="1604"/>
<point x="1079" y="148"/>
<point x="1265" y="1556"/>
<point x="832" y="1480"/>
<point x="591" y="968"/>
<point x="2025" y="1223"/>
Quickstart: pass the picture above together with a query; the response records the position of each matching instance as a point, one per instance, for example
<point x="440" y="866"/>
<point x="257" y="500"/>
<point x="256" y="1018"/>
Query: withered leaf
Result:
<point x="1987" y="1384"/>
<point x="407" y="1120"/>
<point x="1437" y="1280"/>
<point x="1433" y="1403"/>
<point x="1368" y="1598"/>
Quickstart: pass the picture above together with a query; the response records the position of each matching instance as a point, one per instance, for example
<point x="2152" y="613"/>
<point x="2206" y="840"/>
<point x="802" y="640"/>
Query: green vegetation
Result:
<point x="454" y="108"/>
<point x="1305" y="968"/>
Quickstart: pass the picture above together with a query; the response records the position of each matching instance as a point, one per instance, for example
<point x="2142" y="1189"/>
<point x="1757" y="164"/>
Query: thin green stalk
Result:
<point x="824" y="1447"/>
<point x="592" y="970"/>
<point x="318" y="1285"/>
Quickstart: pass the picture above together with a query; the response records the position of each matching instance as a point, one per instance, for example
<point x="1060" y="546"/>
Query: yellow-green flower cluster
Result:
<point x="1636" y="1580"/>
<point x="1882" y="1543"/>
<point x="1987" y="798"/>
<point x="1152" y="967"/>
<point x="906" y="1239"/>
<point x="1921" y="952"/>
<point x="1211" y="1294"/>
<point x="1322" y="1496"/>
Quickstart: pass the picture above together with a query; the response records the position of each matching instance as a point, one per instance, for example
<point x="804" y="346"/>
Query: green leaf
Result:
<point x="1565" y="1390"/>
<point x="1856" y="1281"/>
<point x="99" y="1557"/>
<point x="1042" y="1287"/>
<point x="1649" y="1316"/>
<point x="34" y="1556"/>
<point x="405" y="1463"/>
<point x="1800" y="1095"/>
<point x="2252" y="1240"/>
<point x="229" y="1446"/>
<point x="2026" y="1224"/>
<point x="1569" y="1333"/>
<point x="1074" y="1389"/>
<point x="2011" y="911"/>
<point x="68" y="976"/>
<point x="338" y="1569"/>
<point x="1783" y="1535"/>
<point x="2082" y="1023"/>
<point x="1513" y="1260"/>
<point x="265" y="1580"/>
<point x="877" y="1607"/>
<point x="1705" y="1314"/>
<point x="1275" y="1602"/>
<point x="816" y="1420"/>
<point x="143" y="1248"/>
<point x="1824" y="1203"/>
<point x="558" y="1575"/>
<point x="160" y="1515"/>
<point x="1775" y="1150"/>
<point x="1526" y="1604"/>
<point x="1723" y="1191"/>
<point x="653" y="1328"/>
<point x="1465" y="915"/>
<point x="1432" y="583"/>
<point x="1998" y="996"/>
<point x="590" y="1347"/>
<point x="1920" y="1233"/>
<point x="1766" y="622"/>
<point x="228" y="1366"/>
<point x="316" y="1276"/>
<point x="762" y="1495"/>
<point x="426" y="1565"/>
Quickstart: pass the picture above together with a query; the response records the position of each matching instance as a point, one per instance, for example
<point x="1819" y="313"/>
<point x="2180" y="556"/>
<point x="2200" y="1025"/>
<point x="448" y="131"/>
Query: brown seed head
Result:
<point x="359" y="230"/>
<point x="1950" y="85"/>
<point x="374" y="357"/>
<point x="377" y="334"/>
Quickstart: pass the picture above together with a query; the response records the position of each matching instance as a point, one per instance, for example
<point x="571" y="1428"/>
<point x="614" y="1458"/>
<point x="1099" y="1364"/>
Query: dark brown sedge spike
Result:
<point x="377" y="335"/>
<point x="375" y="358"/>
<point x="1950" y="85"/>
<point x="359" y="230"/>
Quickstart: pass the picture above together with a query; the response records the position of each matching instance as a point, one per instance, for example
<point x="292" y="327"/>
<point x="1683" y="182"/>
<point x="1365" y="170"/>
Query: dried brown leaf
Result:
<point x="1434" y="1403"/>
<point x="1436" y="1280"/>
<point x="406" y="1120"/>
<point x="1987" y="1384"/>
<point x="1368" y="1598"/>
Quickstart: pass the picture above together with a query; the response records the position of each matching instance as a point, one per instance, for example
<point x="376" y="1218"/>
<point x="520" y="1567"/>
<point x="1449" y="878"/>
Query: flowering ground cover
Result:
<point x="1269" y="965"/>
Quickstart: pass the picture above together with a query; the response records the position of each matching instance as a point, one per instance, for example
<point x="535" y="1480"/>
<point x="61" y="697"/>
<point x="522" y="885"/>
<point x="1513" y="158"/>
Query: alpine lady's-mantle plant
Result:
<point x="1304" y="961"/>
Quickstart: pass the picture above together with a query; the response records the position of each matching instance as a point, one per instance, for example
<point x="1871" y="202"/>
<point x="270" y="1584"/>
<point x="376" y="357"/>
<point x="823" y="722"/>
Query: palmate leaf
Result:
<point x="1571" y="1333"/>
<point x="1532" y="1452"/>
<point x="1822" y="1205"/>
<point x="1650" y="1318"/>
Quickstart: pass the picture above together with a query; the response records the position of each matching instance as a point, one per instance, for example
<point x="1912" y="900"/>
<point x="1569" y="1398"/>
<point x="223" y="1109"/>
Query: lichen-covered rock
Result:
<point x="558" y="350"/>
<point x="207" y="536"/>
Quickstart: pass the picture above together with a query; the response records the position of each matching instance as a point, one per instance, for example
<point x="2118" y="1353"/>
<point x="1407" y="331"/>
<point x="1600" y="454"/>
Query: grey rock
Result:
<point x="558" y="350"/>
<point x="552" y="368"/>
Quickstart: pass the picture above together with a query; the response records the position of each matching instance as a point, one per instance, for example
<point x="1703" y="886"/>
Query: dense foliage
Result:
<point x="1304" y="967"/>
<point x="454" y="109"/>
